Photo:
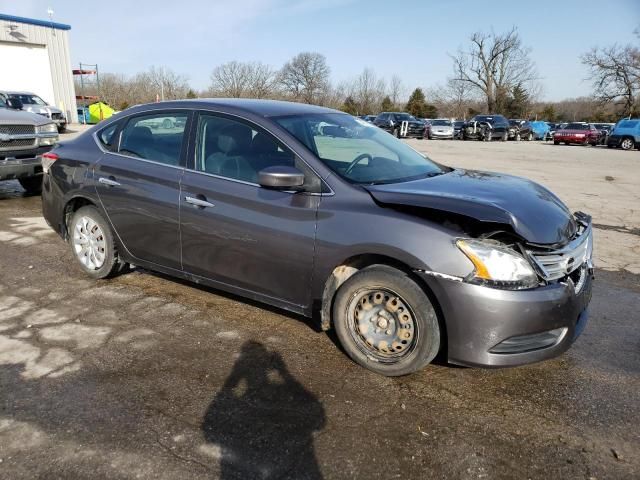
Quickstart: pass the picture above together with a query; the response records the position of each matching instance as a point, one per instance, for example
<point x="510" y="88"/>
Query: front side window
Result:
<point x="235" y="150"/>
<point x="29" y="99"/>
<point x="357" y="150"/>
<point x="156" y="137"/>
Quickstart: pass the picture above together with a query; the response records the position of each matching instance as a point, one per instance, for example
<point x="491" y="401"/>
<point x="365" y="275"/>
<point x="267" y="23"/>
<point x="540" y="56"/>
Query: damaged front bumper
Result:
<point x="494" y="327"/>
<point x="490" y="327"/>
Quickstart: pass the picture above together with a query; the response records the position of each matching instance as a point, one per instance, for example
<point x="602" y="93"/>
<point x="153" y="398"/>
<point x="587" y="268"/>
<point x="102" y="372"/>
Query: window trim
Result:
<point x="127" y="118"/>
<point x="193" y="142"/>
<point x="193" y="111"/>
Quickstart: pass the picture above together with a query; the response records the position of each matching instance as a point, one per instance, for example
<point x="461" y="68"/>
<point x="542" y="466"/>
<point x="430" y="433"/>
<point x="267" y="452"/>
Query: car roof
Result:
<point x="266" y="108"/>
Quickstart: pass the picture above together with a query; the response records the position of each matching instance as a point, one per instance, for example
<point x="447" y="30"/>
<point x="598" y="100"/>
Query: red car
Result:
<point x="582" y="133"/>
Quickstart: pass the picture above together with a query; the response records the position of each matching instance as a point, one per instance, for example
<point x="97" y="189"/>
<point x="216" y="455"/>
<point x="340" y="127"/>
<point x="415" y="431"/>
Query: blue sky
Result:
<point x="410" y="38"/>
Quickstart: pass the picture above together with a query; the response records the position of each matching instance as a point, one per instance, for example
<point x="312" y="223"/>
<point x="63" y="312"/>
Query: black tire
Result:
<point x="112" y="264"/>
<point x="627" y="144"/>
<point x="505" y="137"/>
<point x="33" y="185"/>
<point x="517" y="139"/>
<point x="556" y="142"/>
<point x="392" y="286"/>
<point x="529" y="137"/>
<point x="62" y="129"/>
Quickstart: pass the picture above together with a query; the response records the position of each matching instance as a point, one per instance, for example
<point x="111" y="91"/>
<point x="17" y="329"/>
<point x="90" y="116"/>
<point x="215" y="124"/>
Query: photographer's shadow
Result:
<point x="263" y="420"/>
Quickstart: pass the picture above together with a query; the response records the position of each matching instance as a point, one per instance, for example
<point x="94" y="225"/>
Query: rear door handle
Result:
<point x="198" y="202"/>
<point x="109" y="182"/>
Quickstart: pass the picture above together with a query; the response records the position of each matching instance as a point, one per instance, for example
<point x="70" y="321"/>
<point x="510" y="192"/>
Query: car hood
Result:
<point x="12" y="117"/>
<point x="533" y="212"/>
<point x="41" y="109"/>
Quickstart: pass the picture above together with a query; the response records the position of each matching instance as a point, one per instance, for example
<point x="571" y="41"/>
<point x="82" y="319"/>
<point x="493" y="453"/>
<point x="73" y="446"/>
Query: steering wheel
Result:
<point x="356" y="161"/>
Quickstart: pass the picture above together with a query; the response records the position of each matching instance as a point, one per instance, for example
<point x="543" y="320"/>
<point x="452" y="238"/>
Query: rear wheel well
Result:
<point x="72" y="206"/>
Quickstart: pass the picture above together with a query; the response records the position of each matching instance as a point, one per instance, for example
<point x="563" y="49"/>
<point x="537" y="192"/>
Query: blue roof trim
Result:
<point x="33" y="21"/>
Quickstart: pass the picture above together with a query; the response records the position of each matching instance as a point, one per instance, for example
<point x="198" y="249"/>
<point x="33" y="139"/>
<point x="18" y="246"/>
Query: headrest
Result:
<point x="262" y="143"/>
<point x="140" y="133"/>
<point x="233" y="138"/>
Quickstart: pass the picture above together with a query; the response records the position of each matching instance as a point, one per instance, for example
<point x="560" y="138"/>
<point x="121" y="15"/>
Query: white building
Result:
<point x="34" y="57"/>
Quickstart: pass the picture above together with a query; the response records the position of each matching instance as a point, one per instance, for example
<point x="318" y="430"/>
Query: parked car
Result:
<point x="440" y="128"/>
<point x="368" y="118"/>
<point x="486" y="127"/>
<point x="404" y="257"/>
<point x="605" y="130"/>
<point x="520" y="130"/>
<point x="402" y="125"/>
<point x="34" y="104"/>
<point x="577" y="132"/>
<point x="24" y="137"/>
<point x="458" y="125"/>
<point x="625" y="135"/>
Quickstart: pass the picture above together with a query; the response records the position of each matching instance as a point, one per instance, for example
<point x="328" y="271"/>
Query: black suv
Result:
<point x="402" y="125"/>
<point x="486" y="127"/>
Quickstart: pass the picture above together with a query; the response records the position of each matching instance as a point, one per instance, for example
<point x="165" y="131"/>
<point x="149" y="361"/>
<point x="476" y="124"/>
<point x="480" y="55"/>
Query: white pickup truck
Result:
<point x="24" y="137"/>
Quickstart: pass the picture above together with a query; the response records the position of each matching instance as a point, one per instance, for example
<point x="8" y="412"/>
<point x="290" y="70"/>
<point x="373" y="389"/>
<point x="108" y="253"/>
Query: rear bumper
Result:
<point x="478" y="319"/>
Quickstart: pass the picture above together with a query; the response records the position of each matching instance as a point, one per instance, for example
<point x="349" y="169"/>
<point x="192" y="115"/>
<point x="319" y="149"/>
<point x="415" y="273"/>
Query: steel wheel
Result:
<point x="89" y="243"/>
<point x="382" y="324"/>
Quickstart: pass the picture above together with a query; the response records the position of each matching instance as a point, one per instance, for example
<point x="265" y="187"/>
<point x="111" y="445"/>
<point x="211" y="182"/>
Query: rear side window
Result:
<point x="107" y="137"/>
<point x="156" y="137"/>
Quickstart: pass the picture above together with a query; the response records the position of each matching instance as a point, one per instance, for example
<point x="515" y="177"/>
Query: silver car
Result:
<point x="34" y="104"/>
<point x="441" y="128"/>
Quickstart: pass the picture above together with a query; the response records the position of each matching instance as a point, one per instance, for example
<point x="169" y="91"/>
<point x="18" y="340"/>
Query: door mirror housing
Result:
<point x="281" y="178"/>
<point x="14" y="103"/>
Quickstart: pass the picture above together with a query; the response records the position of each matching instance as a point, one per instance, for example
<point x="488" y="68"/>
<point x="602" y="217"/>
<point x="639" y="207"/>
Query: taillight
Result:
<point x="47" y="160"/>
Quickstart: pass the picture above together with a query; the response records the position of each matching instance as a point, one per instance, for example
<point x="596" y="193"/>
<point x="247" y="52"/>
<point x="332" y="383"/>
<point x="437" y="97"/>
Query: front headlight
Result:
<point x="497" y="265"/>
<point x="48" y="128"/>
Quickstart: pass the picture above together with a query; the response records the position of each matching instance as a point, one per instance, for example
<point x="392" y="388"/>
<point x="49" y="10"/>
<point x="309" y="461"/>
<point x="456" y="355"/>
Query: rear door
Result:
<point x="235" y="232"/>
<point x="138" y="183"/>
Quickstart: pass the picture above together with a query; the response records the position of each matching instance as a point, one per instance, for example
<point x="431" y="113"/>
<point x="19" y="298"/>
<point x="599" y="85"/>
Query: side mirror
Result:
<point x="14" y="103"/>
<point x="281" y="177"/>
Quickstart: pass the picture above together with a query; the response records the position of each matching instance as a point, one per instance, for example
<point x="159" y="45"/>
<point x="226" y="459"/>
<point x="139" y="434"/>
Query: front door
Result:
<point x="138" y="184"/>
<point x="256" y="240"/>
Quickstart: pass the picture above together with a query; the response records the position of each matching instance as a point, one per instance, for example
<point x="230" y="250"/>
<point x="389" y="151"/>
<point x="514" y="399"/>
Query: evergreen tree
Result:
<point x="518" y="103"/>
<point x="191" y="94"/>
<point x="417" y="105"/>
<point x="387" y="104"/>
<point x="350" y="106"/>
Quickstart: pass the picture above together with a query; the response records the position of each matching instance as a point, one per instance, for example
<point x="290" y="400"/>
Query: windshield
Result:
<point x="577" y="126"/>
<point x="358" y="151"/>
<point x="485" y="118"/>
<point x="29" y="99"/>
<point x="441" y="123"/>
<point x="402" y="117"/>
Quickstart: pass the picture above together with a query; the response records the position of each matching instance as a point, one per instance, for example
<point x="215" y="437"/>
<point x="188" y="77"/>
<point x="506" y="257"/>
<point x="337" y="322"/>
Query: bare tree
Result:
<point x="615" y="73"/>
<point x="396" y="90"/>
<point x="164" y="83"/>
<point x="367" y="90"/>
<point x="238" y="79"/>
<point x="493" y="65"/>
<point x="306" y="77"/>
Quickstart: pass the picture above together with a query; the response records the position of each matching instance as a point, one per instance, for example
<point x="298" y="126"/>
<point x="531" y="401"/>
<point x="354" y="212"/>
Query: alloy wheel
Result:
<point x="89" y="243"/>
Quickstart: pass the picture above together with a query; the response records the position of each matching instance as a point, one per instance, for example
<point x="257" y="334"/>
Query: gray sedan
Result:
<point x="317" y="212"/>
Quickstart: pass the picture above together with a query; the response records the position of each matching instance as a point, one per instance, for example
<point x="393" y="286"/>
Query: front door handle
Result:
<point x="198" y="202"/>
<point x="110" y="182"/>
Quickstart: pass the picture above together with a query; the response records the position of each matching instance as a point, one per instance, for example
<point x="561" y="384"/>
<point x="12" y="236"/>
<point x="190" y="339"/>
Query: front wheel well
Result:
<point x="70" y="208"/>
<point x="351" y="266"/>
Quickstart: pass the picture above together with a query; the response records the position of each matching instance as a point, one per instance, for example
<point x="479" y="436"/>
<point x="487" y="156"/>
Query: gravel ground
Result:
<point x="148" y="377"/>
